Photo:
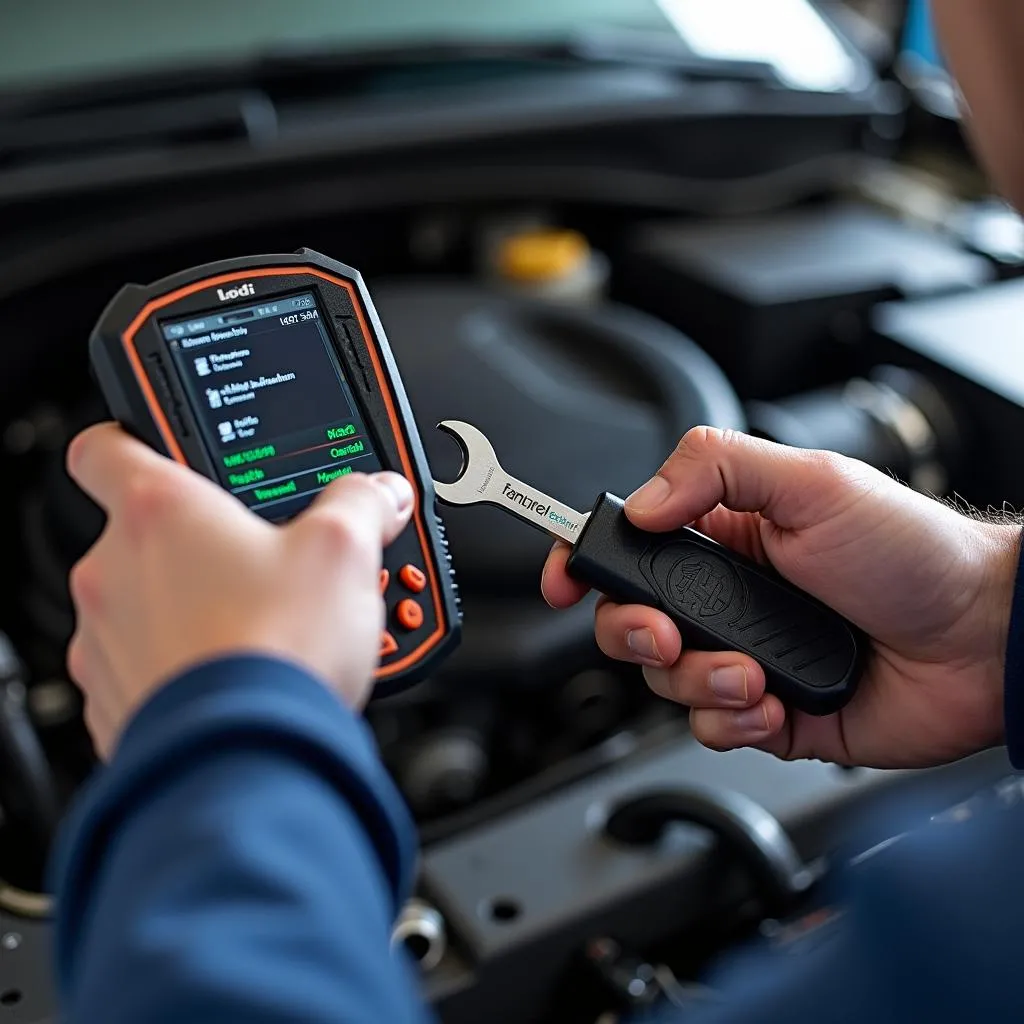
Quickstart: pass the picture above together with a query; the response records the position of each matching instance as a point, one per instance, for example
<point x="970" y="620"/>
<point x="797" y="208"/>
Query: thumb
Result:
<point x="358" y="514"/>
<point x="793" y="487"/>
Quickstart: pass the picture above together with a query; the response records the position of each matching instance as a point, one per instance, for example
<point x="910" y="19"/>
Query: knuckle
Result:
<point x="337" y="534"/>
<point x="75" y="661"/>
<point x="73" y="455"/>
<point x="81" y="445"/>
<point x="364" y="499"/>
<point x="672" y="683"/>
<point x="839" y="478"/>
<point x="366" y="492"/>
<point x="607" y="643"/>
<point x="829" y="465"/>
<point x="354" y="486"/>
<point x="706" y="734"/>
<point x="604" y="609"/>
<point x="729" y="438"/>
<point x="679" y="688"/>
<point x="147" y="498"/>
<point x="84" y="583"/>
<point x="341" y="538"/>
<point x="702" y="442"/>
<point x="659" y="682"/>
<point x="695" y="440"/>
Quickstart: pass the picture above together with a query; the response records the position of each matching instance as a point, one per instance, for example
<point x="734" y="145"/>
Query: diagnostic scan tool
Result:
<point x="272" y="376"/>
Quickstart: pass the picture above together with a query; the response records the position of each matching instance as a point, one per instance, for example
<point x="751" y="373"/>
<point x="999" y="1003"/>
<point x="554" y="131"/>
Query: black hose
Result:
<point x="743" y="827"/>
<point x="28" y="794"/>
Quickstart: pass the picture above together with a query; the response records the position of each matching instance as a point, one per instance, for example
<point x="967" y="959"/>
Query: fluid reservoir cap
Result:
<point x="543" y="255"/>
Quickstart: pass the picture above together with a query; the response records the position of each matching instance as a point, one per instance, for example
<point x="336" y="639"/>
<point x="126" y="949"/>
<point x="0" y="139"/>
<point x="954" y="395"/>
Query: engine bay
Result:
<point x="614" y="266"/>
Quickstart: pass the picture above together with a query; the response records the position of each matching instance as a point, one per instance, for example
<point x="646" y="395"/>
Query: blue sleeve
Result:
<point x="926" y="928"/>
<point x="243" y="857"/>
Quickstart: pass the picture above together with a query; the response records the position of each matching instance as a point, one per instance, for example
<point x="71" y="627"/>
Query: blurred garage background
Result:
<point x="626" y="216"/>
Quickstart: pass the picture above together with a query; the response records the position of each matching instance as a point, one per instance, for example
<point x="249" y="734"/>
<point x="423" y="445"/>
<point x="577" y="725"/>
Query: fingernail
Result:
<point x="753" y="720"/>
<point x="642" y="643"/>
<point x="399" y="487"/>
<point x="729" y="682"/>
<point x="650" y="496"/>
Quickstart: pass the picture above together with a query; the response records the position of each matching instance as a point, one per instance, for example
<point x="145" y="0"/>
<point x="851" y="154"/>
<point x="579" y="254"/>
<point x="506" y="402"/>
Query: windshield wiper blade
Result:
<point x="237" y="98"/>
<point x="596" y="45"/>
<point x="348" y="71"/>
<point x="164" y="122"/>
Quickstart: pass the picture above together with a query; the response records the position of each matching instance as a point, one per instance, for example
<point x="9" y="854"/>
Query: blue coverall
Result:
<point x="244" y="854"/>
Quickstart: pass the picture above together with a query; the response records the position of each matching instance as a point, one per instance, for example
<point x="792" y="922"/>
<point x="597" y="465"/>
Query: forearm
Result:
<point x="241" y="859"/>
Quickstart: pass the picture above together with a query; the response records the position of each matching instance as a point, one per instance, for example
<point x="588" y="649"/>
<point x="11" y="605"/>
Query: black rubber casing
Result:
<point x="812" y="657"/>
<point x="144" y="393"/>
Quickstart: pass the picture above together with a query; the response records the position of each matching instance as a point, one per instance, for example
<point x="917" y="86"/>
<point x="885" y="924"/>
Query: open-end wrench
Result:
<point x="719" y="600"/>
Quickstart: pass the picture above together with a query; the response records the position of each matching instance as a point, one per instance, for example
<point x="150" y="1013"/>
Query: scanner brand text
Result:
<point x="241" y="292"/>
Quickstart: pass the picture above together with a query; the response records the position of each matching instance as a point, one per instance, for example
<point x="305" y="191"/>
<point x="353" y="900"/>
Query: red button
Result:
<point x="409" y="614"/>
<point x="388" y="644"/>
<point x="385" y="579"/>
<point x="413" y="579"/>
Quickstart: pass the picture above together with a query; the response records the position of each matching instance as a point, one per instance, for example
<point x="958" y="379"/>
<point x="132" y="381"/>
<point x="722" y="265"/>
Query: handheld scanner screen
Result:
<point x="272" y="376"/>
<point x="272" y="402"/>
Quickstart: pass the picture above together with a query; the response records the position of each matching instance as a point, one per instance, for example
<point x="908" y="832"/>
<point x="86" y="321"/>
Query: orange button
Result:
<point x="413" y="579"/>
<point x="385" y="579"/>
<point x="409" y="614"/>
<point x="388" y="644"/>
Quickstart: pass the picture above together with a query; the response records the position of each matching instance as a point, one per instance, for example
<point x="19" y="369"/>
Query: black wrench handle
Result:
<point x="721" y="601"/>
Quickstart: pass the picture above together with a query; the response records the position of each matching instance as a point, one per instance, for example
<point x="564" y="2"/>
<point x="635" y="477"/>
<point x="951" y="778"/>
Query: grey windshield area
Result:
<point x="52" y="40"/>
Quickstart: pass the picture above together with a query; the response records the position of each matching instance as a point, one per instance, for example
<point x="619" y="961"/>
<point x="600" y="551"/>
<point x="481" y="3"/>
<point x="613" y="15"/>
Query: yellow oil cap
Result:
<point x="543" y="255"/>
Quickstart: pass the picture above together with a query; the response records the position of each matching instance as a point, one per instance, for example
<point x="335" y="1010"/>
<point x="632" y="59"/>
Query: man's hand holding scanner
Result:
<point x="183" y="574"/>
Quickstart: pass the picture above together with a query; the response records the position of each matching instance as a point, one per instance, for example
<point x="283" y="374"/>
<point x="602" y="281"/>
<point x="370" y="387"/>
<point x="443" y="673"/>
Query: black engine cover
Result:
<point x="577" y="400"/>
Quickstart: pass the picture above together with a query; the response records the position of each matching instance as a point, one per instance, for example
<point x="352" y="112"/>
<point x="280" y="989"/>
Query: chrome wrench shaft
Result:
<point x="482" y="481"/>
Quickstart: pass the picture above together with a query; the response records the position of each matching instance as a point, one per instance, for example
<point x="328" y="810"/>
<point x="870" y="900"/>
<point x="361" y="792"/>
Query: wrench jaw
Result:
<point x="479" y="465"/>
<point x="482" y="481"/>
